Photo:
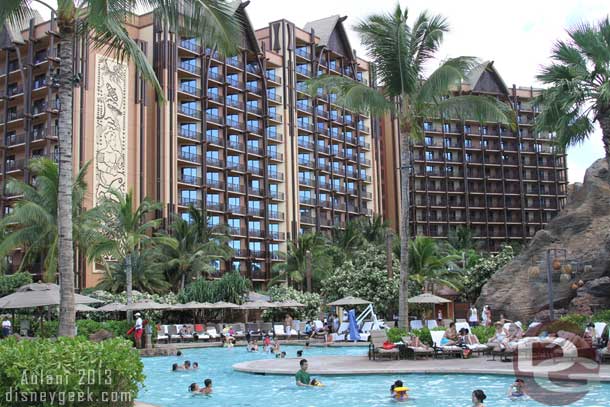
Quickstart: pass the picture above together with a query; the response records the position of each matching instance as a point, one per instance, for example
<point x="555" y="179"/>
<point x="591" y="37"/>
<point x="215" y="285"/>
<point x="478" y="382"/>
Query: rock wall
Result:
<point x="583" y="229"/>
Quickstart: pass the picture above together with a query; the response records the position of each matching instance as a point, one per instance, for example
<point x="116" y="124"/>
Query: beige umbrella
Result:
<point x="147" y="305"/>
<point x="349" y="301"/>
<point x="39" y="295"/>
<point x="112" y="307"/>
<point x="85" y="308"/>
<point x="289" y="304"/>
<point x="427" y="298"/>
<point x="193" y="305"/>
<point x="223" y="305"/>
<point x="258" y="305"/>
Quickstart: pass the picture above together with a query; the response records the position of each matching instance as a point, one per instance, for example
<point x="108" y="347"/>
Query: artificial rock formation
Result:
<point x="583" y="229"/>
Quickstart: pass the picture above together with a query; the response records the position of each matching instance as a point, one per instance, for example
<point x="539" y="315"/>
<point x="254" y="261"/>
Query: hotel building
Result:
<point x="237" y="136"/>
<point x="504" y="184"/>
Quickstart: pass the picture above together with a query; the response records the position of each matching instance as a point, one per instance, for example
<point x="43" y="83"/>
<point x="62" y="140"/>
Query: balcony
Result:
<point x="273" y="134"/>
<point x="276" y="195"/>
<point x="189" y="179"/>
<point x="275" y="235"/>
<point x="234" y="187"/>
<point x="14" y="165"/>
<point x="255" y="169"/>
<point x="275" y="155"/>
<point x="189" y="134"/>
<point x="235" y="166"/>
<point x="255" y="211"/>
<point x="189" y="67"/>
<point x="308" y="219"/>
<point x="214" y="162"/>
<point x="304" y="106"/>
<point x="214" y="96"/>
<point x="191" y="90"/>
<point x="275" y="175"/>
<point x="234" y="61"/>
<point x="189" y="111"/>
<point x="234" y="123"/>
<point x="235" y="145"/>
<point x="214" y="206"/>
<point x="188" y="201"/>
<point x="276" y="215"/>
<point x="307" y="181"/>
<point x="253" y="68"/>
<point x="188" y="156"/>
<point x="303" y="52"/>
<point x="190" y="45"/>
<point x="274" y="96"/>
<point x="254" y="148"/>
<point x="237" y="209"/>
<point x="214" y="183"/>
<point x="303" y="70"/>
<point x="306" y="162"/>
<point x="254" y="88"/>
<point x="252" y="128"/>
<point x="273" y="77"/>
<point x="305" y="125"/>
<point x="255" y="191"/>
<point x="235" y="83"/>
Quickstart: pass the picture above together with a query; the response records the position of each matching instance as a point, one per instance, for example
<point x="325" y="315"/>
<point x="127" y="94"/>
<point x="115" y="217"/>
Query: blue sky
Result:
<point x="518" y="35"/>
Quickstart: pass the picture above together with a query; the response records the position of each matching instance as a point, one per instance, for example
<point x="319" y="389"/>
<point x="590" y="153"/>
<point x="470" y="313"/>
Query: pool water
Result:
<point x="235" y="389"/>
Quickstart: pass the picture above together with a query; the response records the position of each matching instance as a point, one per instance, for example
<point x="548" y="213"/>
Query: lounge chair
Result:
<point x="365" y="332"/>
<point x="416" y="324"/>
<point x="341" y="333"/>
<point x="200" y="331"/>
<point x="296" y="328"/>
<point x="431" y="324"/>
<point x="189" y="335"/>
<point x="475" y="346"/>
<point x="450" y="350"/>
<point x="172" y="332"/>
<point x="462" y="325"/>
<point x="239" y="330"/>
<point x="378" y="338"/>
<point x="162" y="333"/>
<point x="415" y="351"/>
<point x="212" y="333"/>
<point x="599" y="329"/>
<point x="278" y="331"/>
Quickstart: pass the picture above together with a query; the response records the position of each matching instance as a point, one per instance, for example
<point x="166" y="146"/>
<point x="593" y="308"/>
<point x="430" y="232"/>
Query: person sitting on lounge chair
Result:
<point x="413" y="341"/>
<point x="450" y="337"/>
<point x="514" y="334"/>
<point x="497" y="341"/>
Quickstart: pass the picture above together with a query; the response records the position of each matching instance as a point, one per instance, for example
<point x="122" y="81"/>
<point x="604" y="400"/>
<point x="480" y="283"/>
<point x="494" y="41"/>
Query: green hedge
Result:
<point x="75" y="370"/>
<point x="395" y="334"/>
<point x="85" y="327"/>
<point x="9" y="283"/>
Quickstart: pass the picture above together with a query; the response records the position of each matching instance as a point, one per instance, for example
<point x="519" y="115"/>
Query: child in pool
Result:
<point x="195" y="389"/>
<point x="208" y="386"/>
<point x="316" y="383"/>
<point x="397" y="383"/>
<point x="478" y="397"/>
<point x="517" y="389"/>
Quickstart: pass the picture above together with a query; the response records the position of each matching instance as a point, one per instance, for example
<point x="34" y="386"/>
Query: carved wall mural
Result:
<point x="110" y="135"/>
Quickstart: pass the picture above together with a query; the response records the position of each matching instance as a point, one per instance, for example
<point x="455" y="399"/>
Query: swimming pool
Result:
<point x="234" y="389"/>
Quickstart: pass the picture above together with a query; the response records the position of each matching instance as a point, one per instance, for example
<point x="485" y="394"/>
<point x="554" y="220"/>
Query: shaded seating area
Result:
<point x="378" y="346"/>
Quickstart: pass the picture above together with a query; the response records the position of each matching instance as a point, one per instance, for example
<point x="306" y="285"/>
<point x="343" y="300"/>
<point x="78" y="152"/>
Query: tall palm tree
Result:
<point x="374" y="229"/>
<point x="115" y="231"/>
<point x="191" y="248"/>
<point x="310" y="247"/>
<point x="147" y="274"/>
<point x="579" y="92"/>
<point x="399" y="52"/>
<point x="102" y="22"/>
<point x="429" y="266"/>
<point x="33" y="223"/>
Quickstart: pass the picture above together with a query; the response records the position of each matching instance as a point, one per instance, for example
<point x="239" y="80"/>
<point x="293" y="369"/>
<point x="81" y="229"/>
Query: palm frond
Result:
<point x="475" y="107"/>
<point x="426" y="37"/>
<point x="444" y="79"/>
<point x="15" y="13"/>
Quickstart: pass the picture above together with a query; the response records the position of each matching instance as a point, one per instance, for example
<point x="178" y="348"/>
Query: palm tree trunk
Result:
<point x="403" y="305"/>
<point x="128" y="285"/>
<point x="65" y="258"/>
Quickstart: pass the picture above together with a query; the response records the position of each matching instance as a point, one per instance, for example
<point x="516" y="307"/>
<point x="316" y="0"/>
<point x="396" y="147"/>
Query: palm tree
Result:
<point x="310" y="248"/>
<point x="429" y="266"/>
<point x="102" y="22"/>
<point x="374" y="229"/>
<point x="348" y="238"/>
<point x="192" y="247"/>
<point x="33" y="223"/>
<point x="399" y="52"/>
<point x="147" y="274"/>
<point x="117" y="232"/>
<point x="579" y="92"/>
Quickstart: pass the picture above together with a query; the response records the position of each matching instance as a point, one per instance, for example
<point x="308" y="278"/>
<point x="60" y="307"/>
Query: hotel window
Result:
<point x="449" y="170"/>
<point x="449" y="156"/>
<point x="538" y="147"/>
<point x="467" y="129"/>
<point x="332" y="64"/>
<point x="359" y="76"/>
<point x="484" y="130"/>
<point x="235" y="245"/>
<point x="234" y="224"/>
<point x="446" y="127"/>
<point x="188" y="196"/>
<point x="213" y="220"/>
<point x="212" y="199"/>
<point x="234" y="203"/>
<point x="521" y="147"/>
<point x="236" y="265"/>
<point x="484" y="143"/>
<point x="428" y="140"/>
<point x="274" y="249"/>
<point x="428" y="126"/>
<point x="429" y="155"/>
<point x="214" y="72"/>
<point x="255" y="267"/>
<point x="447" y="141"/>
<point x="184" y="215"/>
<point x="216" y="264"/>
<point x="429" y="168"/>
<point x="468" y="156"/>
<point x="254" y="246"/>
<point x="254" y="225"/>
<point x="233" y="181"/>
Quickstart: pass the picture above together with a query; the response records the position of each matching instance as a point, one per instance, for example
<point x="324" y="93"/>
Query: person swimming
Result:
<point x="194" y="388"/>
<point x="478" y="397"/>
<point x="195" y="366"/>
<point x="208" y="386"/>
<point x="316" y="383"/>
<point x="299" y="353"/>
<point x="517" y="389"/>
<point x="397" y="383"/>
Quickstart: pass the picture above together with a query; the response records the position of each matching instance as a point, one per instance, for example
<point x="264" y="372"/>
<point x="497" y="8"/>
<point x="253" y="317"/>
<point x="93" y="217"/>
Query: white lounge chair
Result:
<point x="416" y="324"/>
<point x="341" y="333"/>
<point x="431" y="323"/>
<point x="446" y="350"/>
<point x="461" y="325"/>
<point x="212" y="333"/>
<point x="162" y="334"/>
<point x="278" y="330"/>
<point x="599" y="329"/>
<point x="365" y="332"/>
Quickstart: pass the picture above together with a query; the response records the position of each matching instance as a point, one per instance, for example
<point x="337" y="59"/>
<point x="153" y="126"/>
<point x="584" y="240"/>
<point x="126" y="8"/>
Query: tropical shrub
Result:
<point x="232" y="287"/>
<point x="476" y="276"/>
<point x="85" y="327"/>
<point x="396" y="334"/>
<point x="364" y="275"/>
<point x="560" y="325"/>
<point x="577" y="319"/>
<point x="423" y="335"/>
<point x="109" y="372"/>
<point x="483" y="333"/>
<point x="8" y="284"/>
<point x="601" y="316"/>
<point x="312" y="302"/>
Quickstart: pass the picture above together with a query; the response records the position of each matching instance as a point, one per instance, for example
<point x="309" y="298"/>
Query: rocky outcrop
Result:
<point x="583" y="230"/>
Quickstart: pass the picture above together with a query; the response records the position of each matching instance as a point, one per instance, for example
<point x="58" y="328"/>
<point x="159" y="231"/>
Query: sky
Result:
<point x="517" y="35"/>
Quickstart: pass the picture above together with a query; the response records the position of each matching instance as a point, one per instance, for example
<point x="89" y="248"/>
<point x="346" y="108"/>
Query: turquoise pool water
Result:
<point x="234" y="389"/>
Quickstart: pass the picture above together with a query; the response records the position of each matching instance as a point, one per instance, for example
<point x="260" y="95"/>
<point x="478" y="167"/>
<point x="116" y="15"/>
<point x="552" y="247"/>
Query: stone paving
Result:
<point x="348" y="365"/>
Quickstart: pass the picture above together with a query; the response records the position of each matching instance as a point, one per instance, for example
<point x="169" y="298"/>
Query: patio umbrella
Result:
<point x="85" y="308"/>
<point x="254" y="296"/>
<point x="427" y="298"/>
<point x="289" y="304"/>
<point x="147" y="305"/>
<point x="349" y="301"/>
<point x="39" y="295"/>
<point x="258" y="305"/>
<point x="193" y="305"/>
<point x="112" y="307"/>
<point x="223" y="305"/>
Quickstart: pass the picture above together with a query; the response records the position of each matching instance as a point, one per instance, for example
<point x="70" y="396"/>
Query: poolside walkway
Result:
<point x="350" y="365"/>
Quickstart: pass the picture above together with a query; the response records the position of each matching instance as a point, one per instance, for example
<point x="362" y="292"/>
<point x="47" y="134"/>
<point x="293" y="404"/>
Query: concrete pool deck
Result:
<point x="357" y="365"/>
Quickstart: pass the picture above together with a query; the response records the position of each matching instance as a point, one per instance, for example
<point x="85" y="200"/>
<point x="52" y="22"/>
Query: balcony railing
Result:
<point x="190" y="45"/>
<point x="303" y="52"/>
<point x="189" y="111"/>
<point x="188" y="201"/>
<point x="303" y="70"/>
<point x="189" y="67"/>
<point x="188" y="156"/>
<point x="189" y="179"/>
<point x="190" y="134"/>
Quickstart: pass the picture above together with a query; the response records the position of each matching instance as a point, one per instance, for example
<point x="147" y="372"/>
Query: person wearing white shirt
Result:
<point x="6" y="327"/>
<point x="473" y="316"/>
<point x="139" y="330"/>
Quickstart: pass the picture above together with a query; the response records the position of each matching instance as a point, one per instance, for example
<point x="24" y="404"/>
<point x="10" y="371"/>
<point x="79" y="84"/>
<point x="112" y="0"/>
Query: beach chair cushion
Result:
<point x="460" y="325"/>
<point x="599" y="329"/>
<point x="366" y="327"/>
<point x="431" y="323"/>
<point x="416" y="324"/>
<point x="279" y="330"/>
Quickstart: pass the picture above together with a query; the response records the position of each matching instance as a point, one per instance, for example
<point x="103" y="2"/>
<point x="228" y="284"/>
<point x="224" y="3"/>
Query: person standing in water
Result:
<point x="478" y="397"/>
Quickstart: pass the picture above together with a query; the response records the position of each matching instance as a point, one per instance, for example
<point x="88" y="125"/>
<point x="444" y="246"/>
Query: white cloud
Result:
<point x="518" y="35"/>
